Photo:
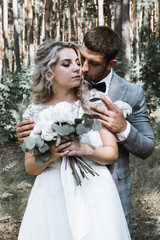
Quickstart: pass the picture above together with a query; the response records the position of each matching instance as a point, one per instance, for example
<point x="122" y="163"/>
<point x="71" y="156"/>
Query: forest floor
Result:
<point x="15" y="186"/>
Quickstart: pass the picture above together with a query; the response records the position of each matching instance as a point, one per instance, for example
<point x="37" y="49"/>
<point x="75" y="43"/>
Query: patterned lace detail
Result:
<point x="33" y="110"/>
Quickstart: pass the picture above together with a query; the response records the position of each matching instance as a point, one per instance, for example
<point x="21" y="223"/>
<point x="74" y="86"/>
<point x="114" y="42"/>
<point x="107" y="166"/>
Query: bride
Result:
<point x="58" y="208"/>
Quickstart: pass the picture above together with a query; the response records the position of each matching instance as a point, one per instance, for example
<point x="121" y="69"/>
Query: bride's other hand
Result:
<point x="60" y="151"/>
<point x="75" y="148"/>
<point x="23" y="129"/>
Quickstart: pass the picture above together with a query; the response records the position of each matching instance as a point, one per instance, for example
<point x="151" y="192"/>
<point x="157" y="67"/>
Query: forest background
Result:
<point x="24" y="24"/>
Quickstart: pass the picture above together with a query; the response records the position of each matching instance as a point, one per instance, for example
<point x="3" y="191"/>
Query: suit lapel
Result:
<point x="117" y="88"/>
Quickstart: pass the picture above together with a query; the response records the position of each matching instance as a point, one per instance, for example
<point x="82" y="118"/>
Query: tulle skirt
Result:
<point x="58" y="210"/>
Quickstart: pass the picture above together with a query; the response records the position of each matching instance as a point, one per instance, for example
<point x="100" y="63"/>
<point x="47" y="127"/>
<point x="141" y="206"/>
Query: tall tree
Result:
<point x="40" y="15"/>
<point x="61" y="20"/>
<point x="72" y="20"/>
<point x="47" y="19"/>
<point x="136" y="37"/>
<point x="24" y="35"/>
<point x="126" y="54"/>
<point x="159" y="18"/>
<point x="118" y="23"/>
<point x="1" y="41"/>
<point x="100" y="12"/>
<point x="107" y="14"/>
<point x="16" y="35"/>
<point x="5" y="34"/>
<point x="30" y="30"/>
<point x="118" y="17"/>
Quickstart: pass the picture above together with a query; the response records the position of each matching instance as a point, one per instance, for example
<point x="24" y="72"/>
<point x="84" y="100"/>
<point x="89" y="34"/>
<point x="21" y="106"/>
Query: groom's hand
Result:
<point x="111" y="116"/>
<point x="23" y="129"/>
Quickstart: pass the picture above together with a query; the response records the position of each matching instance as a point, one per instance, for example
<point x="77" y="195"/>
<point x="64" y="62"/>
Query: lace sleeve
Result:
<point x="32" y="112"/>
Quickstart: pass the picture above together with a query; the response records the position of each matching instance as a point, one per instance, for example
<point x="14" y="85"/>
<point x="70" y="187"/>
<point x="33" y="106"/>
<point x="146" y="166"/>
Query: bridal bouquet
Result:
<point x="55" y="123"/>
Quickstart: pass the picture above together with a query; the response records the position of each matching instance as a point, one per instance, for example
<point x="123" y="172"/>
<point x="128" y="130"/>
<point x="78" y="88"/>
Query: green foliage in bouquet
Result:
<point x="41" y="147"/>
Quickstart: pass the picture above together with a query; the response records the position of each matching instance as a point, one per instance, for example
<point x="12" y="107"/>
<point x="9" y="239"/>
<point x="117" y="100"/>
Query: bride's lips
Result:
<point x="76" y="77"/>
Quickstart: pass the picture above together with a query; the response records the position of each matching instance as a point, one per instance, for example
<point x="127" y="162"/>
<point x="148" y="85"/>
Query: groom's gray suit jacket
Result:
<point x="140" y="141"/>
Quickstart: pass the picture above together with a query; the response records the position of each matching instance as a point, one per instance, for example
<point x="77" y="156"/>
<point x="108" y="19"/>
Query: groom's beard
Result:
<point x="97" y="77"/>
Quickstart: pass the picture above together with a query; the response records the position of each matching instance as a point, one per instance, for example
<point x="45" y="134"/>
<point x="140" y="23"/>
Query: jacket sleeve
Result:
<point x="140" y="140"/>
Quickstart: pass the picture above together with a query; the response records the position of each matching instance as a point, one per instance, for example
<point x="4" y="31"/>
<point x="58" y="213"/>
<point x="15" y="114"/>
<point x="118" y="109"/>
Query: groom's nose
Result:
<point x="85" y="66"/>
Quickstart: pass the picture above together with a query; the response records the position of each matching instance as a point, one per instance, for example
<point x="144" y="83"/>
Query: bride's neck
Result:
<point x="63" y="96"/>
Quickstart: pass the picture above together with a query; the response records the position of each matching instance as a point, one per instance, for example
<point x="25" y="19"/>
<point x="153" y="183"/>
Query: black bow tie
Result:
<point x="100" y="86"/>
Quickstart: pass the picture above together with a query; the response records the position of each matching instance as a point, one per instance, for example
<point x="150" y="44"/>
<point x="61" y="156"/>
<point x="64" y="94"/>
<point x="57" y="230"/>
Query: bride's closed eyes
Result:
<point x="67" y="63"/>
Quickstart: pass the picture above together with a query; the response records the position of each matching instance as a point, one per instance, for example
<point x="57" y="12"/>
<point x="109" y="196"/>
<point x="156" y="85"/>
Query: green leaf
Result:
<point x="81" y="129"/>
<point x="30" y="142"/>
<point x="39" y="141"/>
<point x="94" y="99"/>
<point x="31" y="150"/>
<point x="88" y="123"/>
<point x="66" y="129"/>
<point x="23" y="147"/>
<point x="96" y="126"/>
<point x="44" y="148"/>
<point x="78" y="120"/>
<point x="42" y="158"/>
<point x="85" y="116"/>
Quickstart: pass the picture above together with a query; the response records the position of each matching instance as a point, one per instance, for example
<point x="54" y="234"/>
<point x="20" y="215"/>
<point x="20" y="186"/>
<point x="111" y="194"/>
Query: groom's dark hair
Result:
<point x="103" y="39"/>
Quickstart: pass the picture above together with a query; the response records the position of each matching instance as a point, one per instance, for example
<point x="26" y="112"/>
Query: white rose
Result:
<point x="46" y="114"/>
<point x="37" y="129"/>
<point x="33" y="135"/>
<point x="39" y="126"/>
<point x="125" y="107"/>
<point x="65" y="112"/>
<point x="48" y="135"/>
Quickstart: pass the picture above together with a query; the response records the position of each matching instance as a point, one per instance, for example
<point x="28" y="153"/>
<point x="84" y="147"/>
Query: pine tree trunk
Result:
<point x="30" y="30"/>
<point x="5" y="35"/>
<point x="79" y="23"/>
<point x="47" y="17"/>
<point x="107" y="15"/>
<point x="60" y="20"/>
<point x="40" y="22"/>
<point x="13" y="57"/>
<point x="72" y="20"/>
<point x="51" y="18"/>
<point x="35" y="37"/>
<point x="118" y="17"/>
<point x="1" y="42"/>
<point x="136" y="37"/>
<point x="82" y="18"/>
<point x="16" y="35"/>
<point x="43" y="22"/>
<point x="159" y="18"/>
<point x="126" y="39"/>
<point x="100" y="12"/>
<point x="25" y="30"/>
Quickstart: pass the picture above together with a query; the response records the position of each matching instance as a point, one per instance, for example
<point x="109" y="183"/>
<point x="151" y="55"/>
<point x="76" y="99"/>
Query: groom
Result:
<point x="100" y="48"/>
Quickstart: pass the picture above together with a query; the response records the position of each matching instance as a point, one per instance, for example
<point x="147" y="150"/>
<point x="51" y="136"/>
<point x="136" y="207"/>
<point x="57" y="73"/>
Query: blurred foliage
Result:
<point x="15" y="94"/>
<point x="150" y="73"/>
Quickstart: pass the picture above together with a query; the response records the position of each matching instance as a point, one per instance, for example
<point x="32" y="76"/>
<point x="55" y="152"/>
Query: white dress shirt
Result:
<point x="123" y="135"/>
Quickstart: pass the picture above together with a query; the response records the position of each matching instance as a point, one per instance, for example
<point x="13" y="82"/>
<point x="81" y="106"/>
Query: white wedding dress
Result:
<point x="58" y="209"/>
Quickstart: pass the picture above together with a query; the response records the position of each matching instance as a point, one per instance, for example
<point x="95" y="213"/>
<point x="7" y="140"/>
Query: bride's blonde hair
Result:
<point x="45" y="61"/>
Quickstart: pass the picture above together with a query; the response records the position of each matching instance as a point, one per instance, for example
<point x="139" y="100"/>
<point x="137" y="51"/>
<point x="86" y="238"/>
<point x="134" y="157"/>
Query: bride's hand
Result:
<point x="60" y="151"/>
<point x="74" y="148"/>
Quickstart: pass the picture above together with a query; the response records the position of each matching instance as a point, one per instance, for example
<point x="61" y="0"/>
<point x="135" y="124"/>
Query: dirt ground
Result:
<point x="15" y="186"/>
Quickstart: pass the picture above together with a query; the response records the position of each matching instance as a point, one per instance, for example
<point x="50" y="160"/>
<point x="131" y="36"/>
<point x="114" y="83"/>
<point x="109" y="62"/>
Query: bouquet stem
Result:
<point x="83" y="167"/>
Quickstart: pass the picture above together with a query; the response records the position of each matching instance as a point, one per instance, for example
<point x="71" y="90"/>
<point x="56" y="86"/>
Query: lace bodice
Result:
<point x="33" y="112"/>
